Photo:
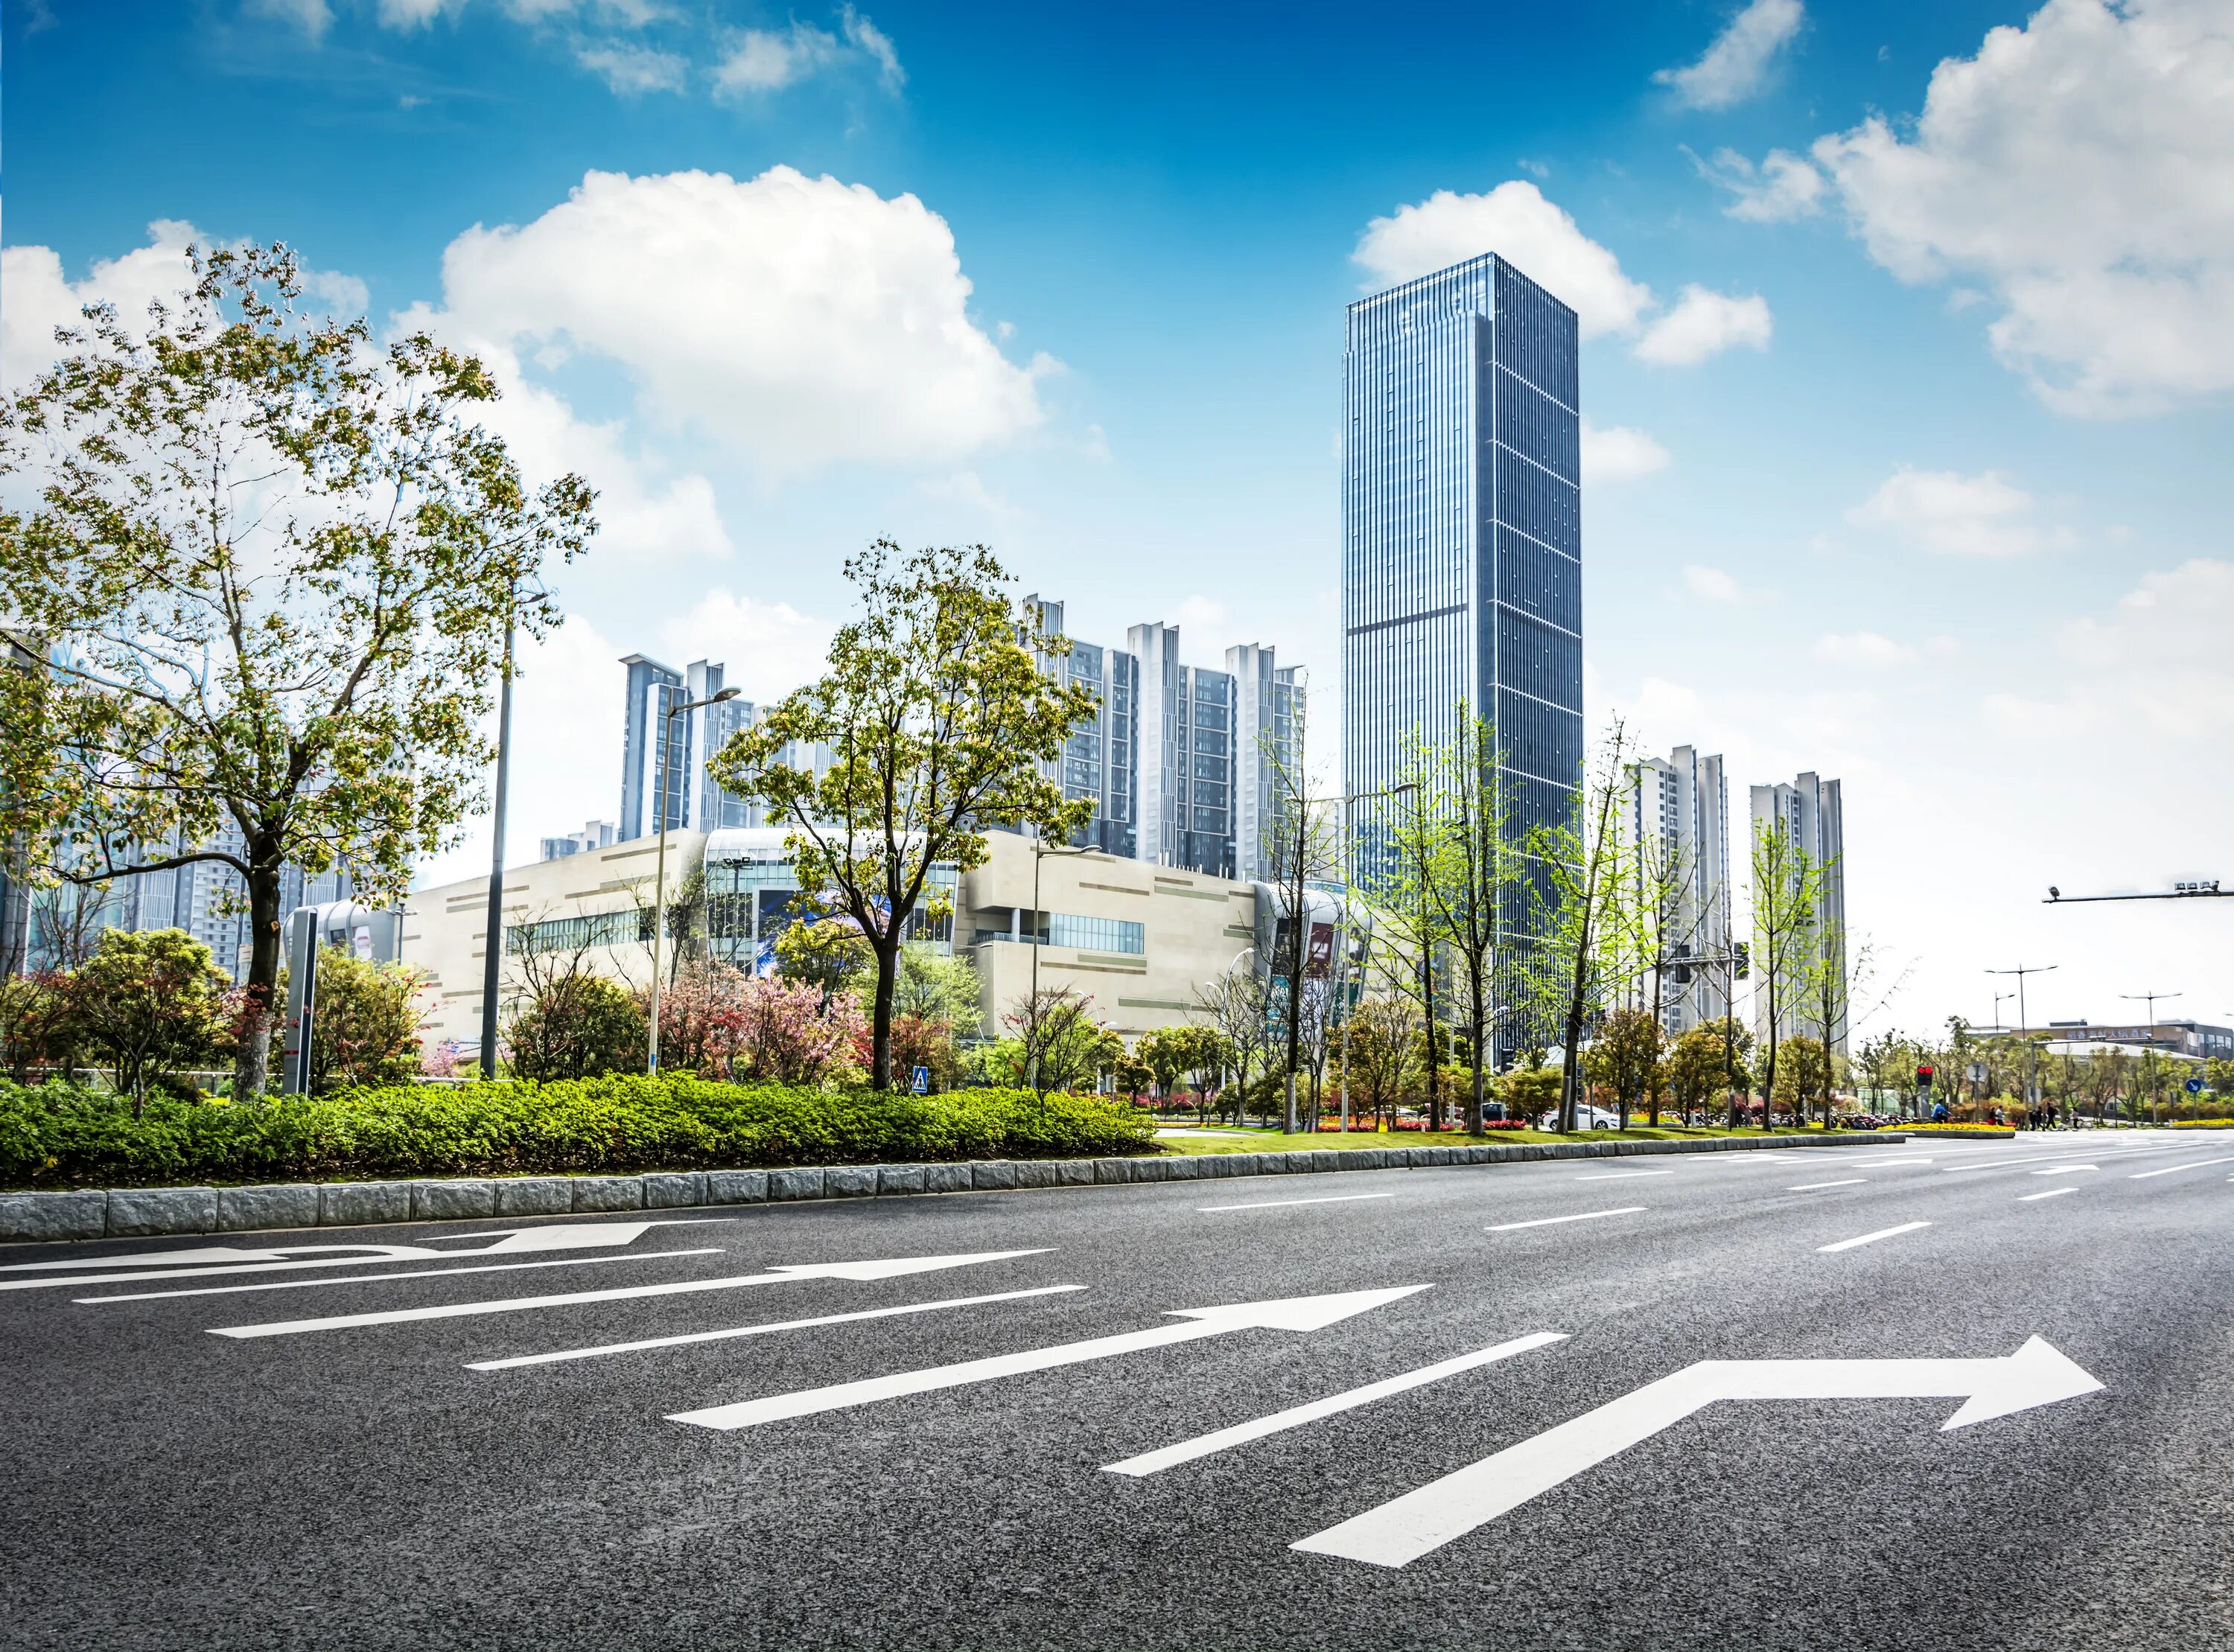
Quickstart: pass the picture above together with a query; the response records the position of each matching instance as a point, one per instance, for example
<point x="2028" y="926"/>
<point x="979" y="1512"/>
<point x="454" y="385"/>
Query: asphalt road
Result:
<point x="363" y="1485"/>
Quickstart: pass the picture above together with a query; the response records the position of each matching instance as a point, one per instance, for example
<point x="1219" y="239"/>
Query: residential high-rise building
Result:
<point x="664" y="760"/>
<point x="596" y="834"/>
<point x="1099" y="759"/>
<point x="1267" y="712"/>
<point x="1461" y="540"/>
<point x="1678" y="826"/>
<point x="1810" y="817"/>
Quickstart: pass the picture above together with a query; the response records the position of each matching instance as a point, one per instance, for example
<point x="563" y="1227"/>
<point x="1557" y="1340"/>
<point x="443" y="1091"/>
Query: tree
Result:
<point x="828" y="954"/>
<point x="1703" y="1061"/>
<point x="1060" y="1040"/>
<point x="702" y="1017"/>
<point x="1803" y="1075"/>
<point x="939" y="722"/>
<point x="1167" y="1053"/>
<point x="1307" y="851"/>
<point x="276" y="567"/>
<point x="1661" y="904"/>
<point x="365" y="1028"/>
<point x="151" y="1001"/>
<point x="1625" y="1056"/>
<point x="1530" y="1091"/>
<point x="1376" y="1050"/>
<point x="1572" y="954"/>
<point x="566" y="1021"/>
<point x="35" y="1021"/>
<point x="1450" y="861"/>
<point x="1787" y="885"/>
<point x="1237" y="1008"/>
<point x="787" y="1034"/>
<point x="937" y="988"/>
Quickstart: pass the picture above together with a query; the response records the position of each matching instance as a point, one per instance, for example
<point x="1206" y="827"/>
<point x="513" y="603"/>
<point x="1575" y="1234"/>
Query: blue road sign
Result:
<point x="919" y="1082"/>
<point x="2195" y="1086"/>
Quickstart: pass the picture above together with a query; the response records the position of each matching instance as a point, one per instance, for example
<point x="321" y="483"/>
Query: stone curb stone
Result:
<point x="534" y="1195"/>
<point x="1074" y="1172"/>
<point x="899" y="1178"/>
<point x="1241" y="1163"/>
<point x="674" y="1190"/>
<point x="1150" y="1170"/>
<point x="946" y="1178"/>
<point x="54" y="1216"/>
<point x="282" y="1205"/>
<point x="602" y="1193"/>
<point x="1034" y="1172"/>
<point x="993" y="1175"/>
<point x="356" y="1205"/>
<point x="736" y="1187"/>
<point x="462" y="1201"/>
<point x="850" y="1181"/>
<point x="134" y="1211"/>
<point x="1211" y="1166"/>
<point x="794" y="1183"/>
<point x="1271" y="1163"/>
<point x="1182" y="1170"/>
<point x="1109" y="1171"/>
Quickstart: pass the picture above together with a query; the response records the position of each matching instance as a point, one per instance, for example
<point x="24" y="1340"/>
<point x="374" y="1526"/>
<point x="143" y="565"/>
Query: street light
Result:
<point x="659" y="877"/>
<point x="2024" y="1029"/>
<point x="2149" y="1038"/>
<point x="1040" y="852"/>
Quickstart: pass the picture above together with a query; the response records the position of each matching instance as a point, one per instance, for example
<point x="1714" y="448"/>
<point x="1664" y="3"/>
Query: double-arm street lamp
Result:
<point x="2024" y="1029"/>
<point x="659" y="877"/>
<point x="1041" y="851"/>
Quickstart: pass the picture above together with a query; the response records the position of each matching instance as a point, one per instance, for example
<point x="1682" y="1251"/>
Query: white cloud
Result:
<point x="1860" y="648"/>
<point x="1704" y="324"/>
<point x="864" y="36"/>
<point x="1617" y="453"/>
<point x="415" y="14"/>
<point x="1985" y="515"/>
<point x="768" y="60"/>
<point x="1542" y="242"/>
<point x="2081" y="168"/>
<point x="770" y="648"/>
<point x="632" y="70"/>
<point x="1783" y="187"/>
<point x="1515" y="220"/>
<point x="313" y="17"/>
<point x="799" y="321"/>
<point x="1737" y="64"/>
<point x="1713" y="585"/>
<point x="968" y="489"/>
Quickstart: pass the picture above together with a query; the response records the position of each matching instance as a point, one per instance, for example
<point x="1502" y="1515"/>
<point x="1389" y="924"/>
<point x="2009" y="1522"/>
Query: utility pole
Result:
<point x="659" y="877"/>
<point x="493" y="948"/>
<point x="2150" y="1040"/>
<point x="2024" y="1028"/>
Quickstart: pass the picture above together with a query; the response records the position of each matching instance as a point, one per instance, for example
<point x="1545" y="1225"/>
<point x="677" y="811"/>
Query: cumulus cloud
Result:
<point x="1712" y="583"/>
<point x="2155" y="665"/>
<point x="2079" y="169"/>
<point x="1705" y="324"/>
<point x="1737" y="64"/>
<point x="1860" y="648"/>
<point x="1783" y="186"/>
<point x="799" y="321"/>
<point x="632" y="70"/>
<point x="1985" y="515"/>
<point x="770" y="648"/>
<point x="1617" y="453"/>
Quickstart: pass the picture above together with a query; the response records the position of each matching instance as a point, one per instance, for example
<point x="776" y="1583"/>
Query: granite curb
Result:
<point x="146" y="1212"/>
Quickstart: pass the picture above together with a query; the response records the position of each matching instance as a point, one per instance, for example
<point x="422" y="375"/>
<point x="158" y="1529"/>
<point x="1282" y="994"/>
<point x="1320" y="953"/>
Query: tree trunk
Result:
<point x="251" y="1072"/>
<point x="1474" y="1098"/>
<point x="880" y="1046"/>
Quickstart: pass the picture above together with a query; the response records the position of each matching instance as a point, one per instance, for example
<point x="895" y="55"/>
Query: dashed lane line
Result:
<point x="1553" y="1221"/>
<point x="1623" y="1175"/>
<point x="2027" y="1198"/>
<point x="2197" y="1164"/>
<point x="1872" y="1238"/>
<point x="1274" y="1204"/>
<point x="1810" y="1187"/>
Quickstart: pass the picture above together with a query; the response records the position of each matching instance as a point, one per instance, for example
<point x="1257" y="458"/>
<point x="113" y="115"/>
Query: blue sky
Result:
<point x="1909" y="338"/>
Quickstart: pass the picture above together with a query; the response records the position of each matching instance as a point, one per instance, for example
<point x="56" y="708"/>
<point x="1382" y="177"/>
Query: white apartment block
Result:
<point x="1808" y="815"/>
<point x="1677" y="825"/>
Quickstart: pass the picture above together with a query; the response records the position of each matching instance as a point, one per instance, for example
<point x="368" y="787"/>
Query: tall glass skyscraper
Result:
<point x="1461" y="508"/>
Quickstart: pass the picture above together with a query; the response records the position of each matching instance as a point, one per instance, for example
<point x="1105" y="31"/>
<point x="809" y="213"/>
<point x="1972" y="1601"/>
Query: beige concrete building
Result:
<point x="1135" y="939"/>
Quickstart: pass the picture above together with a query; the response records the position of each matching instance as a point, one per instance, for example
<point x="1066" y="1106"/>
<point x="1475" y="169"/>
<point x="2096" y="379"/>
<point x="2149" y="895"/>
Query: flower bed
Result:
<point x="62" y="1136"/>
<point x="1957" y="1128"/>
<point x="2203" y="1124"/>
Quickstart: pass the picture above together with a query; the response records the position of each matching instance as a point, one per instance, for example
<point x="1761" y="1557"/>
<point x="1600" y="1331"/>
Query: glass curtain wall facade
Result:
<point x="1461" y="577"/>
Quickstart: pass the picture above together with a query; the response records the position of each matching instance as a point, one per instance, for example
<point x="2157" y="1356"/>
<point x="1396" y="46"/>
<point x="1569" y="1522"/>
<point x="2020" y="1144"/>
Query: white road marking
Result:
<point x="1809" y="1187"/>
<point x="1274" y="1204"/>
<point x="1872" y="1238"/>
<point x="1295" y="1314"/>
<point x="1401" y="1531"/>
<point x="204" y="1254"/>
<point x="1623" y="1175"/>
<point x="764" y="1330"/>
<point x="2064" y="1170"/>
<point x="1552" y="1221"/>
<point x="1296" y="1416"/>
<point x="392" y="1253"/>
<point x="785" y="1275"/>
<point x="375" y="1278"/>
<point x="2138" y="1175"/>
<point x="1877" y="1164"/>
<point x="2027" y="1198"/>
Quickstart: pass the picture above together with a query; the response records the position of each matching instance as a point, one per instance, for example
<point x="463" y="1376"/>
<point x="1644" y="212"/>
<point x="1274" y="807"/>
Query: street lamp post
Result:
<point x="2149" y="1038"/>
<point x="659" y="877"/>
<point x="2024" y="1031"/>
<point x="493" y="948"/>
<point x="1040" y="852"/>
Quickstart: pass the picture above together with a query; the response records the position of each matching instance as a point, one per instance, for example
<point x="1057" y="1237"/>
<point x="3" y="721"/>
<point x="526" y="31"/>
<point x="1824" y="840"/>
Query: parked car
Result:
<point x="1586" y="1118"/>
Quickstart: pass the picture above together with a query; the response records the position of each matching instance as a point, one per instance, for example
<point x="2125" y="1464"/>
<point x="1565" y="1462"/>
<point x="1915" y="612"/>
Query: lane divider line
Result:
<point x="1872" y="1238"/>
<point x="1273" y="1203"/>
<point x="2143" y="1175"/>
<point x="763" y="1330"/>
<point x="2027" y="1198"/>
<point x="1809" y="1187"/>
<point x="1623" y="1175"/>
<point x="2064" y="1170"/>
<point x="1553" y="1221"/>
<point x="1187" y="1451"/>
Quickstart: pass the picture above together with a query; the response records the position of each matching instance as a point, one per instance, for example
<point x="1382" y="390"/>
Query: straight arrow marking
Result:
<point x="1296" y="1416"/>
<point x="783" y="1275"/>
<point x="763" y="1330"/>
<point x="375" y="1278"/>
<point x="1872" y="1238"/>
<point x="1401" y="1531"/>
<point x="1295" y="1314"/>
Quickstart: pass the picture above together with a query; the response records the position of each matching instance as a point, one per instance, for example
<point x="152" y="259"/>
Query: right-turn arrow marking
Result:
<point x="1400" y="1532"/>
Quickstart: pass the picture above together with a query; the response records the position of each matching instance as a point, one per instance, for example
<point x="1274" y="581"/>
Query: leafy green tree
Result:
<point x="1530" y="1092"/>
<point x="1787" y="887"/>
<point x="939" y="989"/>
<point x="1702" y="1063"/>
<point x="1064" y="1045"/>
<point x="1803" y="1075"/>
<point x="576" y="1026"/>
<point x="828" y="954"/>
<point x="940" y="723"/>
<point x="1377" y="1047"/>
<point x="152" y="1003"/>
<point x="35" y="1021"/>
<point x="275" y="566"/>
<point x="1625" y="1056"/>
<point x="365" y="1028"/>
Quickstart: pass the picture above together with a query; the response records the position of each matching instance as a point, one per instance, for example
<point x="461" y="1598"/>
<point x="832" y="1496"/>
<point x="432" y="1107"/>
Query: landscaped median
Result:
<point x="491" y="1140"/>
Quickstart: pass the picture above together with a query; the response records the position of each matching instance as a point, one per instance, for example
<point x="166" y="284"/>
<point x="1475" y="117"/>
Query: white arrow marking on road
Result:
<point x="182" y="1258"/>
<point x="763" y="1330"/>
<point x="2143" y="1175"/>
<point x="1401" y="1531"/>
<point x="1296" y="1416"/>
<point x="2027" y="1198"/>
<point x="386" y="1253"/>
<point x="1809" y="1187"/>
<point x="1293" y="1313"/>
<point x="1553" y="1221"/>
<point x="2064" y="1170"/>
<point x="1274" y="1204"/>
<point x="1872" y="1238"/>
<point x="785" y="1275"/>
<point x="375" y="1278"/>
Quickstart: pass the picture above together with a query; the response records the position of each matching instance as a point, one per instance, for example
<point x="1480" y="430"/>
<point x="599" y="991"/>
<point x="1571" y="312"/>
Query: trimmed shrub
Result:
<point x="62" y="1136"/>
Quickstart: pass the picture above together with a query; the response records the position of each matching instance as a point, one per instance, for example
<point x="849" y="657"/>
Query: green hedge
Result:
<point x="60" y="1136"/>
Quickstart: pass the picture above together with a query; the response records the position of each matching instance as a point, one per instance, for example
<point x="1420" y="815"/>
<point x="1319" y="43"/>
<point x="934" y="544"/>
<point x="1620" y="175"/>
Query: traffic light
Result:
<point x="1743" y="950"/>
<point x="1923" y="1078"/>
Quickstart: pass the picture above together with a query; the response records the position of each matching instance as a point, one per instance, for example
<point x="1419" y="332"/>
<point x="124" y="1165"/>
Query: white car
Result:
<point x="1586" y="1118"/>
